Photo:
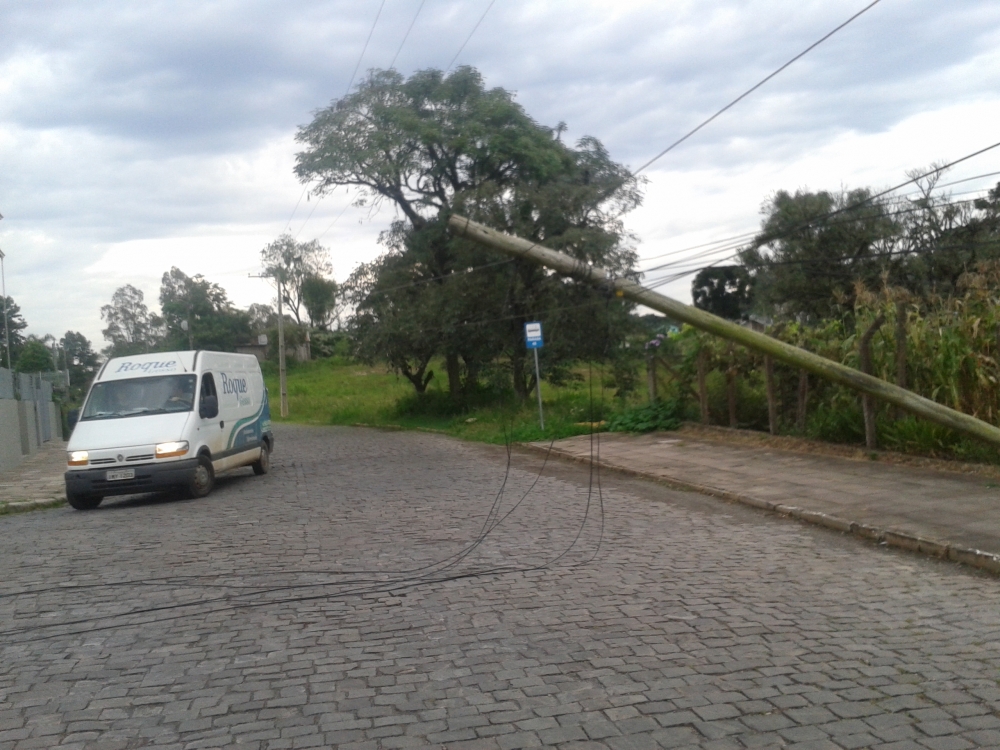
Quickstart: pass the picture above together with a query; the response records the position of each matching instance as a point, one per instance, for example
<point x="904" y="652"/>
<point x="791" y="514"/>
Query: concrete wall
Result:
<point x="10" y="435"/>
<point x="28" y="417"/>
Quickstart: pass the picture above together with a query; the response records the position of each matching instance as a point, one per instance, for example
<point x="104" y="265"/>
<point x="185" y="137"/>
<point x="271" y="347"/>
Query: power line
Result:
<point x="739" y="241"/>
<point x="357" y="65"/>
<point x="875" y="196"/>
<point x="756" y="86"/>
<point x="330" y="226"/>
<point x="364" y="49"/>
<point x="474" y="31"/>
<point x="407" y="34"/>
<point x="288" y="224"/>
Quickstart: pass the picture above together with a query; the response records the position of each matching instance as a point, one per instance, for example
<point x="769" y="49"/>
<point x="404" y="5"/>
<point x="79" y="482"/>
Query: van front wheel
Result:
<point x="83" y="502"/>
<point x="203" y="479"/>
<point x="263" y="464"/>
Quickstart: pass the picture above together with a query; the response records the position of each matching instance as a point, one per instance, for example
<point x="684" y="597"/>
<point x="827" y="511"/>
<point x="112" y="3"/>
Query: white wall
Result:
<point x="10" y="435"/>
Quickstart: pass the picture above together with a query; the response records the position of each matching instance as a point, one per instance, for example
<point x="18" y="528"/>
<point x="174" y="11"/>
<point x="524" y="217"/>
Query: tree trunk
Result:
<point x="472" y="370"/>
<point x="731" y="388"/>
<point x="521" y="390"/>
<point x="900" y="351"/>
<point x="702" y="387"/>
<point x="651" y="376"/>
<point x="868" y="404"/>
<point x="803" y="402"/>
<point x="772" y="401"/>
<point x="454" y="375"/>
<point x="417" y="377"/>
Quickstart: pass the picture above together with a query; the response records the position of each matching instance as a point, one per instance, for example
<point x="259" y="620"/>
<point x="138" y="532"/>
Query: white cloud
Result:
<point x="136" y="137"/>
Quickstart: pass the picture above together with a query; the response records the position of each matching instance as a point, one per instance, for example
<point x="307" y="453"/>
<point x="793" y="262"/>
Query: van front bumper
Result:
<point x="148" y="478"/>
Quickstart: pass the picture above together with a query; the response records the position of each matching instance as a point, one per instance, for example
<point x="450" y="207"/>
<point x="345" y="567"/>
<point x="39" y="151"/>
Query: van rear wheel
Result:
<point x="83" y="502"/>
<point x="263" y="464"/>
<point x="203" y="478"/>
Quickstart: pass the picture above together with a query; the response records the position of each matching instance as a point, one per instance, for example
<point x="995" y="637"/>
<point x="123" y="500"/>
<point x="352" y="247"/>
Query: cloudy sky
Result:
<point x="139" y="136"/>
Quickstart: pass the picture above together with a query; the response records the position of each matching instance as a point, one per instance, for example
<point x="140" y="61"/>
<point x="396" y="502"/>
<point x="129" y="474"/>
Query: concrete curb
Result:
<point x="891" y="537"/>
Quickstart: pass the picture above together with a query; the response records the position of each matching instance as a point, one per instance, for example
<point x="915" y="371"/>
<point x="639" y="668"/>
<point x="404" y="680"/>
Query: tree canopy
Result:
<point x="296" y="265"/>
<point x="435" y="143"/>
<point x="132" y="328"/>
<point x="815" y="250"/>
<point x="14" y="323"/>
<point x="34" y="356"/>
<point x="212" y="320"/>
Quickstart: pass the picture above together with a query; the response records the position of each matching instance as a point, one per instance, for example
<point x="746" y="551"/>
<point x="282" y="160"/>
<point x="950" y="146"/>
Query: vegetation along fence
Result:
<point x="944" y="348"/>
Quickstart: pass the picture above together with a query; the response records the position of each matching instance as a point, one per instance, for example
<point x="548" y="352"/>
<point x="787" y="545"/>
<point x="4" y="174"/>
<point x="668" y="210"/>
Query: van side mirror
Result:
<point x="72" y="417"/>
<point x="209" y="407"/>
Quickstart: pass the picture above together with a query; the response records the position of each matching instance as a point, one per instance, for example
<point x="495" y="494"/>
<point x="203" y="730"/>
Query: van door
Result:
<point x="211" y="429"/>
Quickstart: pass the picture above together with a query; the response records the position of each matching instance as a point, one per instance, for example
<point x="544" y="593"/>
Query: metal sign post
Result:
<point x="533" y="340"/>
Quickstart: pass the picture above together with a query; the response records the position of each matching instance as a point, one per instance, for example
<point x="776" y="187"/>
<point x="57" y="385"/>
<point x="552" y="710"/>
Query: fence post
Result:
<point x="702" y="387"/>
<point x="731" y="387"/>
<point x="868" y="405"/>
<point x="772" y="403"/>
<point x="900" y="350"/>
<point x="800" y="412"/>
<point x="651" y="376"/>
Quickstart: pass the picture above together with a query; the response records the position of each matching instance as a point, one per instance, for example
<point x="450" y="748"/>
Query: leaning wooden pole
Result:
<point x="792" y="355"/>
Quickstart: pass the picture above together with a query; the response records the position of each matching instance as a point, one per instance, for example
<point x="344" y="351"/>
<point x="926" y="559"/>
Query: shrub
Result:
<point x="658" y="415"/>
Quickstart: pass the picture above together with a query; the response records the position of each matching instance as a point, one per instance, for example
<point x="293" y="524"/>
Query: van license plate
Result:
<point x="121" y="474"/>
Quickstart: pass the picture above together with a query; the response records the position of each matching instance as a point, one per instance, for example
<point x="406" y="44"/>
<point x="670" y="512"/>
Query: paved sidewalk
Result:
<point x="36" y="481"/>
<point x="935" y="512"/>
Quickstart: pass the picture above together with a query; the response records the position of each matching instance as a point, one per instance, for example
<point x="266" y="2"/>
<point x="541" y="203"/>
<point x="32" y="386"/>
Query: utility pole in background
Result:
<point x="282" y="384"/>
<point x="6" y="323"/>
<point x="281" y="352"/>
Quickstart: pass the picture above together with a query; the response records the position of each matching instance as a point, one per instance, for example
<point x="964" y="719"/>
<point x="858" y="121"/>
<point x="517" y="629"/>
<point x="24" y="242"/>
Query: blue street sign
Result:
<point x="533" y="335"/>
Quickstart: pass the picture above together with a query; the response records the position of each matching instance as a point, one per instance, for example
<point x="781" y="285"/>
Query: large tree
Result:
<point x="813" y="247"/>
<point x="132" y="328"/>
<point x="14" y="323"/>
<point x="435" y="143"/>
<point x="320" y="297"/>
<point x="79" y="357"/>
<point x="34" y="356"/>
<point x="295" y="264"/>
<point x="724" y="291"/>
<point x="211" y="320"/>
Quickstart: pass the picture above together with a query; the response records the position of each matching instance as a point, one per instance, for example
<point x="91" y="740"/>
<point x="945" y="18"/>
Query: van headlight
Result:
<point x="78" y="458"/>
<point x="173" y="448"/>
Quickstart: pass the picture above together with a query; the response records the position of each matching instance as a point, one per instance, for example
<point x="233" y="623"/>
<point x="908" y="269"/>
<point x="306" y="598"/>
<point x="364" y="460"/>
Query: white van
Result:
<point x="168" y="420"/>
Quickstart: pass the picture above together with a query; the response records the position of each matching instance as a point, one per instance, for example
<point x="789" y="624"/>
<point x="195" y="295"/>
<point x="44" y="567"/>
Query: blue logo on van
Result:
<point x="233" y="385"/>
<point x="146" y="366"/>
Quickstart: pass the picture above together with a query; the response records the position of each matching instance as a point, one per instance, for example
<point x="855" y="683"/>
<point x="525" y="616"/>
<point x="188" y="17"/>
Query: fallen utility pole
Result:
<point x="791" y="355"/>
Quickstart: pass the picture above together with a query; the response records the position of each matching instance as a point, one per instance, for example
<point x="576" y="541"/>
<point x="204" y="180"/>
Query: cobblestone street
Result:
<point x="333" y="603"/>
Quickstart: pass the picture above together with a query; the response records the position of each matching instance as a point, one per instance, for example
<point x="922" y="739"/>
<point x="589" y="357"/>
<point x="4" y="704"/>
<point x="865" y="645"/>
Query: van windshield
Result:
<point x="138" y="396"/>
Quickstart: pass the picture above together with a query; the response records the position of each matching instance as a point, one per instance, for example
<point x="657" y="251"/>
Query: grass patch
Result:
<point x="339" y="392"/>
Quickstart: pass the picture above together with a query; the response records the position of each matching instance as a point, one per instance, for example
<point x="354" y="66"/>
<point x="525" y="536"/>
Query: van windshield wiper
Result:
<point x="100" y="415"/>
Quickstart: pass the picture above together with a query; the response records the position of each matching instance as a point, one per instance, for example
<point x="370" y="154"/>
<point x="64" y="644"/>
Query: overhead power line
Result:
<point x="875" y="196"/>
<point x="756" y="86"/>
<point x="407" y="34"/>
<point x="474" y="31"/>
<point x="364" y="49"/>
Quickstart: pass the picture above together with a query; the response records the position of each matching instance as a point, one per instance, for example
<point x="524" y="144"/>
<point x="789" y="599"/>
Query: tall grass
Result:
<point x="337" y="391"/>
